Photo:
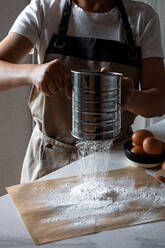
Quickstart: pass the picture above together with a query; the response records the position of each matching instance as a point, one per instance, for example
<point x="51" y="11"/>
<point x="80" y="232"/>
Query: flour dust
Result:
<point x="87" y="147"/>
<point x="93" y="157"/>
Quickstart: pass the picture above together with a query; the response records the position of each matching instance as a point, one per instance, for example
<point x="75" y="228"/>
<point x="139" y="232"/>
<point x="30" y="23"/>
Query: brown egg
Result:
<point x="139" y="135"/>
<point x="138" y="150"/>
<point x="163" y="165"/>
<point x="160" y="174"/>
<point x="152" y="146"/>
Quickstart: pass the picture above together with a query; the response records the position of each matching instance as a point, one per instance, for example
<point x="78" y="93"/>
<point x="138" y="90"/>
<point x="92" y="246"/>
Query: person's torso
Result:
<point x="93" y="40"/>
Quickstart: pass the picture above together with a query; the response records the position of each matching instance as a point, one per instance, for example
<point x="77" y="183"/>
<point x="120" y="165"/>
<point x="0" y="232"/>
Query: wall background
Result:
<point x="15" y="119"/>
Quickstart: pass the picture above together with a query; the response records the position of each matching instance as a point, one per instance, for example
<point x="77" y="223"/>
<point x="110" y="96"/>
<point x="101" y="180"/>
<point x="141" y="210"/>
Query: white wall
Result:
<point x="15" y="118"/>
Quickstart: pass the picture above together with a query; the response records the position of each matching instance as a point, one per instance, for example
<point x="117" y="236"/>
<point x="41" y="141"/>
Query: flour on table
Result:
<point x="82" y="202"/>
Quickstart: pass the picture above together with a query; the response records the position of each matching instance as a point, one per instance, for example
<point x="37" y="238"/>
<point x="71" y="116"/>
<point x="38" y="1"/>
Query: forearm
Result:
<point x="14" y="75"/>
<point x="147" y="103"/>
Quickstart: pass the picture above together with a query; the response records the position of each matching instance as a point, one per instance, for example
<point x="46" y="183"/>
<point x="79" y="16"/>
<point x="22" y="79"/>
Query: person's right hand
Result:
<point x="127" y="88"/>
<point x="52" y="77"/>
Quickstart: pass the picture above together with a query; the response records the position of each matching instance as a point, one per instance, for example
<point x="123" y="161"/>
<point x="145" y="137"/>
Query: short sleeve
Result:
<point x="29" y="22"/>
<point x="150" y="39"/>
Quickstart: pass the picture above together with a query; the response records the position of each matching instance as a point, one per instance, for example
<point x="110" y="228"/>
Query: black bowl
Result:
<point x="148" y="161"/>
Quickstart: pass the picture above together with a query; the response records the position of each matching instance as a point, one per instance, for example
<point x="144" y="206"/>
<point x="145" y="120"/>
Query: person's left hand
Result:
<point x="127" y="88"/>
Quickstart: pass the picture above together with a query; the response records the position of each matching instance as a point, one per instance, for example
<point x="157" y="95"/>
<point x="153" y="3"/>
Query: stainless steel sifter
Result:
<point x="96" y="105"/>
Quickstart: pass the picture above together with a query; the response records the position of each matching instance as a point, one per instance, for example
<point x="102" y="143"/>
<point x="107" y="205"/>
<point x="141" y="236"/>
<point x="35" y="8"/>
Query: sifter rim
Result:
<point x="96" y="73"/>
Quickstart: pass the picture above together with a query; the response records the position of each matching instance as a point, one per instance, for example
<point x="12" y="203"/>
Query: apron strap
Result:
<point x="61" y="37"/>
<point x="127" y="28"/>
<point x="60" y="42"/>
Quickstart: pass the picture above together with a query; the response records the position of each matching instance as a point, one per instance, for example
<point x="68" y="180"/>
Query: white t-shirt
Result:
<point x="41" y="19"/>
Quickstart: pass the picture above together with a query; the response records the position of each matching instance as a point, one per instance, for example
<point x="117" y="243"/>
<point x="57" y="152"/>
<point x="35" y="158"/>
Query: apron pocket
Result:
<point x="54" y="155"/>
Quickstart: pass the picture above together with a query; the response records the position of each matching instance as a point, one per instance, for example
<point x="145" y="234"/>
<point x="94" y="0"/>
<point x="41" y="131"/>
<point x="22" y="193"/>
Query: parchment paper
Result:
<point x="68" y="207"/>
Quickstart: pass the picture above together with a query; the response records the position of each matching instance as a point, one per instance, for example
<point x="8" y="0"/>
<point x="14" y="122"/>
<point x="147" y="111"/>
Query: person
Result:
<point x="121" y="36"/>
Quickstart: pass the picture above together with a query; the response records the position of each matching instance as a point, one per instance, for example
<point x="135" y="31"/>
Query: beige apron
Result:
<point x="51" y="145"/>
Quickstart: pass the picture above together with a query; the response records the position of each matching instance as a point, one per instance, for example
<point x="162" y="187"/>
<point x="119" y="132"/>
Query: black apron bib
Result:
<point x="95" y="49"/>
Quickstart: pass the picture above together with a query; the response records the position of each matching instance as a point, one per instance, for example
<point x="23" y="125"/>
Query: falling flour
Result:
<point x="98" y="149"/>
<point x="87" y="147"/>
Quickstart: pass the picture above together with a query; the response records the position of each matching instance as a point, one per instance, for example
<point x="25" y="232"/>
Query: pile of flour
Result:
<point x="82" y="202"/>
